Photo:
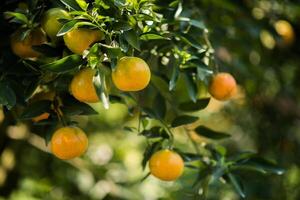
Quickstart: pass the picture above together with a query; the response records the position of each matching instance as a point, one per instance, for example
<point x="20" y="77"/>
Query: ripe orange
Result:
<point x="82" y="87"/>
<point x="23" y="48"/>
<point x="80" y="39"/>
<point x="166" y="165"/>
<point x="286" y="31"/>
<point x="131" y="74"/>
<point x="42" y="96"/>
<point x="50" y="23"/>
<point x="222" y="86"/>
<point x="69" y="142"/>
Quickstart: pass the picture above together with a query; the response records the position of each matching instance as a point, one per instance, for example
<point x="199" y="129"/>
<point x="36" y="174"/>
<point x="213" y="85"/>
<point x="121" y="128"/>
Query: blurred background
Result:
<point x="255" y="40"/>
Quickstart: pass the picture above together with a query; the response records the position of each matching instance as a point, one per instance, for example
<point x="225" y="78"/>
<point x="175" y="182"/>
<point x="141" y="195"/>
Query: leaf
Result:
<point x="192" y="22"/>
<point x="261" y="165"/>
<point x="7" y="95"/>
<point x="149" y="112"/>
<point x="149" y="151"/>
<point x="64" y="65"/>
<point x="83" y="5"/>
<point x="152" y="36"/>
<point x="175" y="74"/>
<point x="203" y="131"/>
<point x="100" y="84"/>
<point x="159" y="106"/>
<point x="130" y="129"/>
<point x="71" y="4"/>
<point x="35" y="109"/>
<point x="191" y="87"/>
<point x="17" y="16"/>
<point x="194" y="106"/>
<point x="183" y="119"/>
<point x="190" y="157"/>
<point x="132" y="38"/>
<point x="155" y="132"/>
<point x="113" y="52"/>
<point x="73" y="107"/>
<point x="190" y="41"/>
<point x="67" y="27"/>
<point x="237" y="184"/>
<point x="47" y="50"/>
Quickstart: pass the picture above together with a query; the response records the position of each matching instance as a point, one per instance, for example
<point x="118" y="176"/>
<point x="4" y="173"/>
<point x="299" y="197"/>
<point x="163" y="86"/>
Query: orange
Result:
<point x="222" y="86"/>
<point x="82" y="86"/>
<point x="69" y="142"/>
<point x="131" y="74"/>
<point x="23" y="48"/>
<point x="50" y="23"/>
<point x="166" y="165"/>
<point x="80" y="39"/>
<point x="43" y="96"/>
<point x="286" y="31"/>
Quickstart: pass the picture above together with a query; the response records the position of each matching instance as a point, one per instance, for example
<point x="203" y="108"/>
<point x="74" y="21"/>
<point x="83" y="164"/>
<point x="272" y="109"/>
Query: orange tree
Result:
<point x="134" y="52"/>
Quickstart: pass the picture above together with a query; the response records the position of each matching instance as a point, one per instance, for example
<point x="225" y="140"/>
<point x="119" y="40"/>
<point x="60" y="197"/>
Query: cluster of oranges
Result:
<point x="130" y="74"/>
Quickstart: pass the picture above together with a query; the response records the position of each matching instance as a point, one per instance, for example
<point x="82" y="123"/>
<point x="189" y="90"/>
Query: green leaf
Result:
<point x="17" y="16"/>
<point x="192" y="107"/>
<point x="190" y="41"/>
<point x="149" y="151"/>
<point x="83" y="5"/>
<point x="113" y="52"/>
<point x="152" y="36"/>
<point x="73" y="107"/>
<point x="183" y="119"/>
<point x="47" y="50"/>
<point x="261" y="165"/>
<point x="190" y="157"/>
<point x="67" y="27"/>
<point x="35" y="109"/>
<point x="155" y="132"/>
<point x="159" y="106"/>
<point x="192" y="22"/>
<point x="64" y="65"/>
<point x="71" y="4"/>
<point x="132" y="38"/>
<point x="101" y="88"/>
<point x="7" y="95"/>
<point x="206" y="132"/>
<point x="191" y="87"/>
<point x="237" y="184"/>
<point x="175" y="73"/>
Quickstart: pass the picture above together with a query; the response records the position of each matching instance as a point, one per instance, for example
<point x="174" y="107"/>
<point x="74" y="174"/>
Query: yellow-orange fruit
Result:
<point x="131" y="74"/>
<point x="82" y="86"/>
<point x="166" y="165"/>
<point x="222" y="86"/>
<point x="69" y="142"/>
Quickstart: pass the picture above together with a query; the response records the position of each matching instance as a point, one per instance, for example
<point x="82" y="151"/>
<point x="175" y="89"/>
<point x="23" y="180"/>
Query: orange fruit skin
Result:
<point x="166" y="165"/>
<point x="43" y="96"/>
<point x="80" y="39"/>
<point x="23" y="48"/>
<point x="131" y="74"/>
<point x="68" y="142"/>
<point x="50" y="23"/>
<point x="222" y="86"/>
<point x="82" y="87"/>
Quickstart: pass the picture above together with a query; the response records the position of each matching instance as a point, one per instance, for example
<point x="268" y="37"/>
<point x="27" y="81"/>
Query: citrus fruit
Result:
<point x="50" y="23"/>
<point x="23" y="48"/>
<point x="80" y="39"/>
<point x="68" y="142"/>
<point x="82" y="87"/>
<point x="42" y="96"/>
<point x="166" y="165"/>
<point x="285" y="30"/>
<point x="222" y="86"/>
<point x="131" y="74"/>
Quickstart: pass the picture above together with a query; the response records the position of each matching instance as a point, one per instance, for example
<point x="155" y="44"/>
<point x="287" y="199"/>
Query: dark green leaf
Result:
<point x="47" y="50"/>
<point x="149" y="151"/>
<point x="192" y="107"/>
<point x="206" y="132"/>
<point x="191" y="87"/>
<point x="183" y="119"/>
<point x="190" y="41"/>
<point x="175" y="73"/>
<point x="237" y="184"/>
<point x="35" y="109"/>
<point x="132" y="38"/>
<point x="73" y="107"/>
<point x="63" y="65"/>
<point x="7" y="95"/>
<point x="159" y="106"/>
<point x="71" y="4"/>
<point x="152" y="36"/>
